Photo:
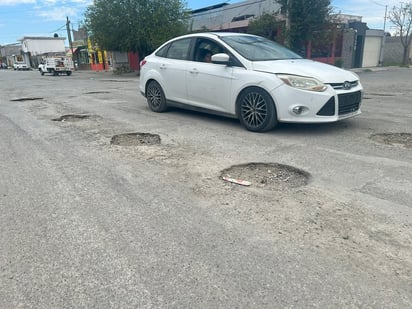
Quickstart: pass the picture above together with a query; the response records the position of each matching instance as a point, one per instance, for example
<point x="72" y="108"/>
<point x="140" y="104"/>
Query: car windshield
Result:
<point x="255" y="48"/>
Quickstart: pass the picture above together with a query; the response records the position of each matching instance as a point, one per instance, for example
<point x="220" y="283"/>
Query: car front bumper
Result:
<point x="295" y="105"/>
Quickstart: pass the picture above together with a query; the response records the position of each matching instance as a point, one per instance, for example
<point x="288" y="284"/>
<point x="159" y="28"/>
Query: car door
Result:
<point x="209" y="84"/>
<point x="172" y="68"/>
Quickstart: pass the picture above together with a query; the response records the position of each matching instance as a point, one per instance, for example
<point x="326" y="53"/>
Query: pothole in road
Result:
<point x="96" y="92"/>
<point x="369" y="96"/>
<point x="72" y="118"/>
<point x="266" y="175"/>
<point x="135" y="139"/>
<point x="381" y="94"/>
<point x="115" y="80"/>
<point x="402" y="139"/>
<point x="26" y="99"/>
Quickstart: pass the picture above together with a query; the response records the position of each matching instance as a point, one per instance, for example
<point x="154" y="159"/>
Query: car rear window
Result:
<point x="175" y="50"/>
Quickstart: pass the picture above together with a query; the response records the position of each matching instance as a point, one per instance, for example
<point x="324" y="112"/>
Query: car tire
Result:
<point x="155" y="97"/>
<point x="256" y="110"/>
<point x="68" y="73"/>
<point x="41" y="72"/>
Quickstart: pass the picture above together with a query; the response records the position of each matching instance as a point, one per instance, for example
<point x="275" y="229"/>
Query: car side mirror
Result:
<point x="221" y="58"/>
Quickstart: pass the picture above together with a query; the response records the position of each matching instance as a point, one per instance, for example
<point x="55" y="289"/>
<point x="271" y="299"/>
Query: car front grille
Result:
<point x="349" y="102"/>
<point x="339" y="86"/>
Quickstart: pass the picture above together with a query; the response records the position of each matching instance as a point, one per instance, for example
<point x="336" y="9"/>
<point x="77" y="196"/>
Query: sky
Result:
<point x="19" y="18"/>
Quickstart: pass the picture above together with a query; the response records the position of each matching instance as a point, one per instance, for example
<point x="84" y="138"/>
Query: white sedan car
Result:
<point x="247" y="77"/>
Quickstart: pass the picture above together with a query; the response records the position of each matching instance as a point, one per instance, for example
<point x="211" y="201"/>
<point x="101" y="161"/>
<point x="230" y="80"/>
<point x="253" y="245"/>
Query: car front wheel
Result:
<point x="256" y="110"/>
<point x="155" y="97"/>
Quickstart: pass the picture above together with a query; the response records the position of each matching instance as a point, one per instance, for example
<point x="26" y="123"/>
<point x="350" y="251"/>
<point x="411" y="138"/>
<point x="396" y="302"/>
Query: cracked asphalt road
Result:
<point x="88" y="224"/>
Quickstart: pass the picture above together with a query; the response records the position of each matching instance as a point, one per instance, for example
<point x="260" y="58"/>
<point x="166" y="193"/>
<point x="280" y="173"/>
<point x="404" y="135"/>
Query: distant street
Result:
<point x="105" y="204"/>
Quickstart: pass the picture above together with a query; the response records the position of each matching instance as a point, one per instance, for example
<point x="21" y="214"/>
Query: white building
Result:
<point x="35" y="47"/>
<point x="43" y="45"/>
<point x="226" y="16"/>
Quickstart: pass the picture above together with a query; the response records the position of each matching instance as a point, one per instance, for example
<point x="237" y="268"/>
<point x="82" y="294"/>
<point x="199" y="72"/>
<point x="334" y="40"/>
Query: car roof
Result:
<point x="210" y="35"/>
<point x="213" y="34"/>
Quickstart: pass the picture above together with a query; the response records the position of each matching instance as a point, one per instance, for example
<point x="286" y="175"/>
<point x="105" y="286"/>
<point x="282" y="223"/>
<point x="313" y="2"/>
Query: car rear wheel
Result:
<point x="155" y="97"/>
<point x="256" y="110"/>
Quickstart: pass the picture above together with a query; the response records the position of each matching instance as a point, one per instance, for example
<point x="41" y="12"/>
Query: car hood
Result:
<point x="304" y="67"/>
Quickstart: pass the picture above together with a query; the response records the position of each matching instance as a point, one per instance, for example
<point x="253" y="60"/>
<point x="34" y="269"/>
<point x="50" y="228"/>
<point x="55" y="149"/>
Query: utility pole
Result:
<point x="383" y="39"/>
<point x="69" y="36"/>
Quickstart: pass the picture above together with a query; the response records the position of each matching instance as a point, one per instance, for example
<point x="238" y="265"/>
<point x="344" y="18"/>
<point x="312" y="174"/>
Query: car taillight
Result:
<point x="143" y="62"/>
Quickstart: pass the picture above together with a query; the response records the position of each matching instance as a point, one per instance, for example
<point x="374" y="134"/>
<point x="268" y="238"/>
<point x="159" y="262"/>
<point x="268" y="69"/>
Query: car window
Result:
<point x="257" y="48"/>
<point x="162" y="52"/>
<point x="205" y="48"/>
<point x="179" y="49"/>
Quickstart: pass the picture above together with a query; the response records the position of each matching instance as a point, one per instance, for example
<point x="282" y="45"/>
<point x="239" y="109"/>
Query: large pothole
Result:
<point x="71" y="118"/>
<point x="393" y="139"/>
<point x="266" y="175"/>
<point x="135" y="139"/>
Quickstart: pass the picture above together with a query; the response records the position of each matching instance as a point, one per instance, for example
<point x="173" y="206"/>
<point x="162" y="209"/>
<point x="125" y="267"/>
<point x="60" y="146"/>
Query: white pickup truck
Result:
<point x="56" y="65"/>
<point x="19" y="63"/>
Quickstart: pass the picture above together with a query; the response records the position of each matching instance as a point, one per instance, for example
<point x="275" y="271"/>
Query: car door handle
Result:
<point x="163" y="67"/>
<point x="194" y="71"/>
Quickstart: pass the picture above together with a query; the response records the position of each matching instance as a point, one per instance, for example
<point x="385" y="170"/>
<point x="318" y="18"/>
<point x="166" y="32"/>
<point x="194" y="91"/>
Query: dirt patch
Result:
<point x="26" y="99"/>
<point x="135" y="139"/>
<point x="393" y="139"/>
<point x="71" y="118"/>
<point x="271" y="176"/>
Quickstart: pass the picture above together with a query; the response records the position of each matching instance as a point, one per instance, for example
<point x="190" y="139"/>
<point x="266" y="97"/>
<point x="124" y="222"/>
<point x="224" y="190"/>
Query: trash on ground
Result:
<point x="237" y="181"/>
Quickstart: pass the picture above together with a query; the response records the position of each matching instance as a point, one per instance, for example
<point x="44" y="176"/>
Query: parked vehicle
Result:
<point x="19" y="63"/>
<point x="250" y="78"/>
<point x="56" y="65"/>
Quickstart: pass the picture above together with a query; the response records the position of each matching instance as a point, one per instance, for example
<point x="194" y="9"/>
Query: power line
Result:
<point x="383" y="5"/>
<point x="226" y="8"/>
<point x="59" y="28"/>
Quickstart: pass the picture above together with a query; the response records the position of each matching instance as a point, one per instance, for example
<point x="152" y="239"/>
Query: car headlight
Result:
<point x="304" y="83"/>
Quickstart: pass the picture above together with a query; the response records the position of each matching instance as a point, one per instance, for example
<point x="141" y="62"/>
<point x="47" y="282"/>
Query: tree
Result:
<point x="135" y="25"/>
<point x="401" y="17"/>
<point x="267" y="25"/>
<point x="306" y="21"/>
